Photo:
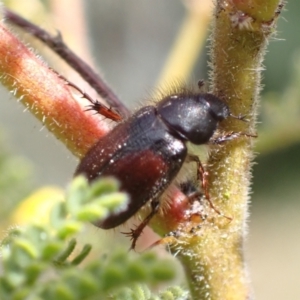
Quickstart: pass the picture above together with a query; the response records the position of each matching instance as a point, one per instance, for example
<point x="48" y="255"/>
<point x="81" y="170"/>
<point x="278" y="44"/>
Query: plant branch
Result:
<point x="58" y="46"/>
<point x="212" y="253"/>
<point x="47" y="96"/>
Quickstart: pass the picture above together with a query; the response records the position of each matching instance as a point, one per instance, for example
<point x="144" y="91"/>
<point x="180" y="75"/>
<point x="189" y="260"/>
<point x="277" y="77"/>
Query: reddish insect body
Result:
<point x="146" y="151"/>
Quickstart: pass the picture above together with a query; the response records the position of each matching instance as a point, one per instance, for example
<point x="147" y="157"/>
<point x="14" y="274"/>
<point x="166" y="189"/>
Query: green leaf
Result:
<point x="69" y="228"/>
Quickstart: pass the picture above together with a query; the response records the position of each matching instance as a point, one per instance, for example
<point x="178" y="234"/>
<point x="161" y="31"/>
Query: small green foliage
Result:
<point x="174" y="293"/>
<point x="38" y="261"/>
<point x="142" y="292"/>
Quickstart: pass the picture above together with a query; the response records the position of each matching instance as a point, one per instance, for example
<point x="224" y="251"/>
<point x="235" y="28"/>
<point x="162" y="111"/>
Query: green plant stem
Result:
<point x="213" y="256"/>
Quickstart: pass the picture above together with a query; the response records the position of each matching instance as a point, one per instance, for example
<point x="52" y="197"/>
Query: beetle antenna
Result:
<point x="201" y="83"/>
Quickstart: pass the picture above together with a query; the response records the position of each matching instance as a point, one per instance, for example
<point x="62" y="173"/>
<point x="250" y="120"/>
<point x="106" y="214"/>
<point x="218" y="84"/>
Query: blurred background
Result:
<point x="130" y="42"/>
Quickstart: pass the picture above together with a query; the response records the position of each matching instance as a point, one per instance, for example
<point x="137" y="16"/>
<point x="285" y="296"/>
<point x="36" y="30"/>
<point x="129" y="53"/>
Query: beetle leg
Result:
<point x="57" y="44"/>
<point x="135" y="233"/>
<point x="201" y="172"/>
<point x="95" y="104"/>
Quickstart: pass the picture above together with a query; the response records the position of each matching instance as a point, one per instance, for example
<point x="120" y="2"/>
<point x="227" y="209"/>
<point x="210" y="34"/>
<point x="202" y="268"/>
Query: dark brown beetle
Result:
<point x="146" y="151"/>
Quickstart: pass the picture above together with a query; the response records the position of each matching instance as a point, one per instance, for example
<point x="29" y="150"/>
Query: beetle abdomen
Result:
<point x="145" y="163"/>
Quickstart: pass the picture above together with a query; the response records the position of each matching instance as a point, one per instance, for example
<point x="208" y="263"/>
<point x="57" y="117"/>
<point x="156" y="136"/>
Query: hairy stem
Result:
<point x="213" y="254"/>
<point x="57" y="45"/>
<point x="47" y="96"/>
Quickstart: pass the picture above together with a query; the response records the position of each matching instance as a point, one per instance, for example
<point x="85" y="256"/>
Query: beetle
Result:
<point x="146" y="151"/>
